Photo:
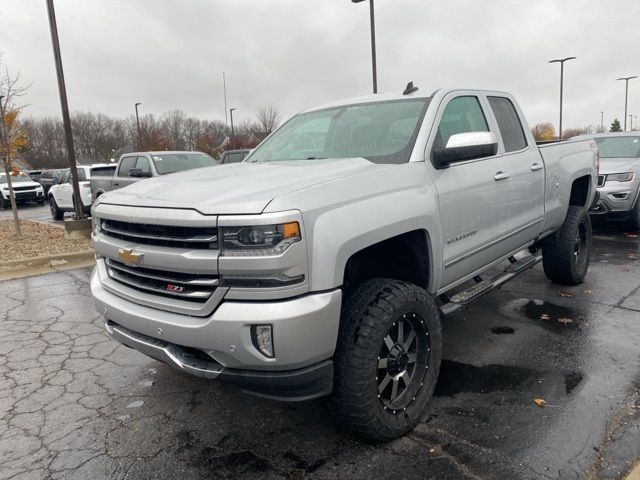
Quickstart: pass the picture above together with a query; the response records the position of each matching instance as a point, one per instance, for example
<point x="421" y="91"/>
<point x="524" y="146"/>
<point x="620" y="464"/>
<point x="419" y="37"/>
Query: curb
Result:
<point x="52" y="261"/>
<point x="634" y="474"/>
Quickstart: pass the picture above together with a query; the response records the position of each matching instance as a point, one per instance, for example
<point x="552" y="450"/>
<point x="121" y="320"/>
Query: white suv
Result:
<point x="61" y="195"/>
<point x="25" y="190"/>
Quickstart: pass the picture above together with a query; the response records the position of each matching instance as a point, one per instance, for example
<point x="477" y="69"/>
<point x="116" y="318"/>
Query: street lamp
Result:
<point x="373" y="43"/>
<point x="626" y="97"/>
<point x="561" y="62"/>
<point x="601" y="121"/>
<point x="138" y="123"/>
<point x="233" y="133"/>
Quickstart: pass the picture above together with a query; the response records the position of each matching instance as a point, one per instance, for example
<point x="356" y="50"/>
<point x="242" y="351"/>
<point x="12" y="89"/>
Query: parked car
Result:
<point x="619" y="177"/>
<point x="233" y="156"/>
<point x="324" y="263"/>
<point x="140" y="165"/>
<point x="50" y="177"/>
<point x="34" y="174"/>
<point x="25" y="190"/>
<point x="61" y="197"/>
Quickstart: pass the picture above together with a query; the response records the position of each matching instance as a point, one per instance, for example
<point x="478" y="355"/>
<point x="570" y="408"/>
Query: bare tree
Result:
<point x="12" y="134"/>
<point x="268" y="118"/>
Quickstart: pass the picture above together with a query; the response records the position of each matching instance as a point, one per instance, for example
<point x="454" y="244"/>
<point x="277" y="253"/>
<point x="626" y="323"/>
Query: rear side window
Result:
<point x="461" y="115"/>
<point x="143" y="164"/>
<point x="125" y="165"/>
<point x="235" y="157"/>
<point x="82" y="176"/>
<point x="509" y="123"/>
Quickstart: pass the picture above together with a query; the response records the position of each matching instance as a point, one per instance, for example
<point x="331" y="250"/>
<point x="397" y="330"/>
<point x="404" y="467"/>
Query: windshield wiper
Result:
<point x="315" y="158"/>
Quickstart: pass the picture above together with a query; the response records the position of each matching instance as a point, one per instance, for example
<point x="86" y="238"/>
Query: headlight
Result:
<point x="96" y="228"/>
<point x="262" y="240"/>
<point x="620" y="177"/>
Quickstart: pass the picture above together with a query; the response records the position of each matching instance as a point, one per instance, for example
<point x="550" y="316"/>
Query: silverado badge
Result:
<point x="128" y="257"/>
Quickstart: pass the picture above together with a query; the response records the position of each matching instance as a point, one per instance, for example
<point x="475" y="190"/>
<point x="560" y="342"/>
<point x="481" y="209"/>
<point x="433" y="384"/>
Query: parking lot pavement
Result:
<point x="32" y="211"/>
<point x="74" y="404"/>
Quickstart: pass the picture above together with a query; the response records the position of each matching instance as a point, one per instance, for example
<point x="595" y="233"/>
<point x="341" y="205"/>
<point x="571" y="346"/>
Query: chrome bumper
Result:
<point x="305" y="330"/>
<point x="165" y="352"/>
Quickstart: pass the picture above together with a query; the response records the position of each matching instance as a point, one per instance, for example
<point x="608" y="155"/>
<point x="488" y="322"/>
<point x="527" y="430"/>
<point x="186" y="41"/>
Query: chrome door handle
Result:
<point x="501" y="176"/>
<point x="536" y="166"/>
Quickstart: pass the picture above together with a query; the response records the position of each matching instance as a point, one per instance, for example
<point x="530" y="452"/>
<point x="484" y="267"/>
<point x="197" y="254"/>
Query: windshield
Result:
<point x="381" y="132"/>
<point x="177" y="162"/>
<point x="618" y="147"/>
<point x="15" y="179"/>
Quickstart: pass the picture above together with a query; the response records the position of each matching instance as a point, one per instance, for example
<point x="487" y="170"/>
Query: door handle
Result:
<point x="536" y="166"/>
<point x="501" y="176"/>
<point x="116" y="183"/>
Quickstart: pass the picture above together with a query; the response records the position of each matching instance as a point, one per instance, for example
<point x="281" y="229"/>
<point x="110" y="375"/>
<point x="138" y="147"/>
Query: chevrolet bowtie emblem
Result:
<point x="128" y="257"/>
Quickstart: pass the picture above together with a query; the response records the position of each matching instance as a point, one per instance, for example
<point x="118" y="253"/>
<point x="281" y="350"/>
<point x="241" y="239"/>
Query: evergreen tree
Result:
<point x="615" y="126"/>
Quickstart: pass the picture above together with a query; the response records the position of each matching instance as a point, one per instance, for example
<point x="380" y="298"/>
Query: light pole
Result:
<point x="630" y="123"/>
<point x="373" y="43"/>
<point x="138" y="123"/>
<point x="62" y="89"/>
<point x="561" y="62"/>
<point x="233" y="133"/>
<point x="626" y="97"/>
<point x="7" y="162"/>
<point x="601" y="121"/>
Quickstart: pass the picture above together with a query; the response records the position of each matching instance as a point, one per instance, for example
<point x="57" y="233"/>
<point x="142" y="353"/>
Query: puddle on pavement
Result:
<point x="456" y="377"/>
<point x="556" y="318"/>
<point x="502" y="330"/>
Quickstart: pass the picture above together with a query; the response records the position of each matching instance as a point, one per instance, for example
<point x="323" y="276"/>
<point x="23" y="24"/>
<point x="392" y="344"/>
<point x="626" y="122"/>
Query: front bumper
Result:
<point x="617" y="199"/>
<point x="305" y="330"/>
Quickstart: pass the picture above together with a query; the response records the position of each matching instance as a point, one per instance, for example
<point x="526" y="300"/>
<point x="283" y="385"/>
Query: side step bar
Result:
<point x="464" y="298"/>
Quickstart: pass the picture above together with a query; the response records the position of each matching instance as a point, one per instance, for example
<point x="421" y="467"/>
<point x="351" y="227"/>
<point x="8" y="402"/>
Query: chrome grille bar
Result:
<point x="192" y="280"/>
<point x="171" y="236"/>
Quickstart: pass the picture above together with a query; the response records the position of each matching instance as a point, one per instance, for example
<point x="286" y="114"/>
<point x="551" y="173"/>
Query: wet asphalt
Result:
<point x="74" y="404"/>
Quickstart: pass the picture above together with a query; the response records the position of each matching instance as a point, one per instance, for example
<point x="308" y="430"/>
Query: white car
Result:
<point x="61" y="195"/>
<point x="25" y="190"/>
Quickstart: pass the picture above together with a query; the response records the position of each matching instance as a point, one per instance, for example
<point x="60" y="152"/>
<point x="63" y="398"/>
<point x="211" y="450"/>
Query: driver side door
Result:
<point x="64" y="191"/>
<point x="469" y="191"/>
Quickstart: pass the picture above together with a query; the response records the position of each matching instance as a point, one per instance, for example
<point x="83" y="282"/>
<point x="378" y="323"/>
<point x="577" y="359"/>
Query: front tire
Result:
<point x="56" y="213"/>
<point x="387" y="358"/>
<point x="566" y="261"/>
<point x="4" y="203"/>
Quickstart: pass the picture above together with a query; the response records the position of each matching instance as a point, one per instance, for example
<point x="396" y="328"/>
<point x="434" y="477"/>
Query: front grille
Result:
<point x="601" y="180"/>
<point x="162" y="235"/>
<point x="183" y="286"/>
<point x="25" y="195"/>
<point x="17" y="189"/>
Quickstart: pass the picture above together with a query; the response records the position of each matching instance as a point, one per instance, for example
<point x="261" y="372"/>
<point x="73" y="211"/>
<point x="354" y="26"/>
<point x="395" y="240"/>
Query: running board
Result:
<point x="464" y="298"/>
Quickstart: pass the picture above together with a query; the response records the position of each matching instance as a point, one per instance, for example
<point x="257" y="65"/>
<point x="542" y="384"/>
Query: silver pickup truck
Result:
<point x="325" y="262"/>
<point x="140" y="165"/>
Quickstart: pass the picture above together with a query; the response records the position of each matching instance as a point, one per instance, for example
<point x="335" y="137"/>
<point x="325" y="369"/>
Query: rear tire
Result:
<point x="387" y="359"/>
<point x="567" y="260"/>
<point x="4" y="203"/>
<point x="56" y="213"/>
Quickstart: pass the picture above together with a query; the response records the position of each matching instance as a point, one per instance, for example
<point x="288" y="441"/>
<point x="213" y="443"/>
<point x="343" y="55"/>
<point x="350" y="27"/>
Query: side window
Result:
<point x="143" y="164"/>
<point x="461" y="115"/>
<point x="81" y="175"/>
<point x="235" y="158"/>
<point x="125" y="165"/>
<point x="509" y="123"/>
<point x="65" y="177"/>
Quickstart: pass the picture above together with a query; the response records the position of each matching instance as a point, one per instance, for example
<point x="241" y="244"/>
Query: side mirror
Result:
<point x="466" y="146"/>
<point x="138" y="173"/>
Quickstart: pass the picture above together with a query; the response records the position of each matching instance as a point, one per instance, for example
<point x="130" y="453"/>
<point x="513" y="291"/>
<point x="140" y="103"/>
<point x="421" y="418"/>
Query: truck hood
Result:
<point x="240" y="188"/>
<point x="617" y="165"/>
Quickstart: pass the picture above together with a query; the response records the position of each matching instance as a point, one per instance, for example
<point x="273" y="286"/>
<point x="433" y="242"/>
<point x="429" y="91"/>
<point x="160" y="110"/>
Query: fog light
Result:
<point x="263" y="339"/>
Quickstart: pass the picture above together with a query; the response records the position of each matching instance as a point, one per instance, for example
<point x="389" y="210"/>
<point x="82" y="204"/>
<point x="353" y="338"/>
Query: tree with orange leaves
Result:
<point x="14" y="138"/>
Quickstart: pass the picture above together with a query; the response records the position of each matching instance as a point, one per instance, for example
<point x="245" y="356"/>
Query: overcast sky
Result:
<point x="170" y="54"/>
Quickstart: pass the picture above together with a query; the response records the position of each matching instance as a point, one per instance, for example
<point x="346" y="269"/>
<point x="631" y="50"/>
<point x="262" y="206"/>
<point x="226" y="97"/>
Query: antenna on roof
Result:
<point x="410" y="89"/>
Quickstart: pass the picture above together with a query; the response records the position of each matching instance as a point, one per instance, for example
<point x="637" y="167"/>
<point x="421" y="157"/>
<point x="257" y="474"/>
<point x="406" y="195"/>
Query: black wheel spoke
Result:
<point x="400" y="331"/>
<point x="394" y="390"/>
<point x="389" y="342"/>
<point x="384" y="383"/>
<point x="405" y="378"/>
<point x="382" y="362"/>
<point x="410" y="339"/>
<point x="412" y="358"/>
